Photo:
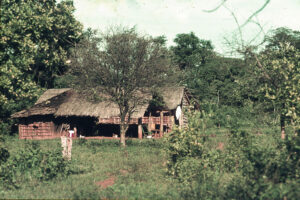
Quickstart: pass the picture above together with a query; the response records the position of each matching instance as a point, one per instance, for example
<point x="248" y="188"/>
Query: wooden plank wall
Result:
<point x="38" y="130"/>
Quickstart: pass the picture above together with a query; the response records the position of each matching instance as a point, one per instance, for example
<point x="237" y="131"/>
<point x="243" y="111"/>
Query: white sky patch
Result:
<point x="171" y="17"/>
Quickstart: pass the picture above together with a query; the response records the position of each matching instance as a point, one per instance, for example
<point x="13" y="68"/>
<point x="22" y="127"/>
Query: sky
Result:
<point x="172" y="17"/>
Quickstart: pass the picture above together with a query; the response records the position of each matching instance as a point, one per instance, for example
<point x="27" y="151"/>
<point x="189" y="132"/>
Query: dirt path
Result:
<point x="110" y="181"/>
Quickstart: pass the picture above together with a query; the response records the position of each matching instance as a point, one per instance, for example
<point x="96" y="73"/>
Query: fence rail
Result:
<point x="143" y="120"/>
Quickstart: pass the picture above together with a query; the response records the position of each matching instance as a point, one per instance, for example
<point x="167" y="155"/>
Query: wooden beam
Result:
<point x="161" y="126"/>
<point x="140" y="131"/>
<point x="149" y="123"/>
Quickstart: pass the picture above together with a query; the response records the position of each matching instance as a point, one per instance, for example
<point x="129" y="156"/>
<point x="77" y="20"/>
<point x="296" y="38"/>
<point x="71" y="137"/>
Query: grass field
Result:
<point x="105" y="171"/>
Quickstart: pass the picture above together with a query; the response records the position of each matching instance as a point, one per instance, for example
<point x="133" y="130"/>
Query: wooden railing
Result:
<point x="143" y="120"/>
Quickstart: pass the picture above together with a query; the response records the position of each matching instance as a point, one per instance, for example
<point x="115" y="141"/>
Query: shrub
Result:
<point x="6" y="126"/>
<point x="32" y="163"/>
<point x="4" y="154"/>
<point x="182" y="144"/>
<point x="249" y="167"/>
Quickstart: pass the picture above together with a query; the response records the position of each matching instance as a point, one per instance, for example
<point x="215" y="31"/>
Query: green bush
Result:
<point x="182" y="144"/>
<point x="6" y="126"/>
<point x="32" y="163"/>
<point x="4" y="154"/>
<point x="248" y="167"/>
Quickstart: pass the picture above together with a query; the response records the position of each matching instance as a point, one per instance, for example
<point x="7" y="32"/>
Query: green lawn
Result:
<point x="138" y="172"/>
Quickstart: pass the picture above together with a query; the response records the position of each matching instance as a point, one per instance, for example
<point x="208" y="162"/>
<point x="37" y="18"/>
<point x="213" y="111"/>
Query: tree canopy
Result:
<point x="36" y="36"/>
<point x="279" y="72"/>
<point x="283" y="35"/>
<point x="190" y="51"/>
<point x="121" y="63"/>
<point x="40" y="32"/>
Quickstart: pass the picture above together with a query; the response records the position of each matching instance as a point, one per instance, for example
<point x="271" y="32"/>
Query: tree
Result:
<point x="35" y="38"/>
<point x="282" y="35"/>
<point x="276" y="67"/>
<point x="279" y="73"/>
<point x="190" y="51"/>
<point x="274" y="71"/>
<point x="122" y="65"/>
<point x="17" y="91"/>
<point x="216" y="81"/>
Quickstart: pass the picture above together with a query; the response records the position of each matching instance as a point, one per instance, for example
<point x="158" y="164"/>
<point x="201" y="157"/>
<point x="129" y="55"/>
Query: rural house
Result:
<point x="56" y="107"/>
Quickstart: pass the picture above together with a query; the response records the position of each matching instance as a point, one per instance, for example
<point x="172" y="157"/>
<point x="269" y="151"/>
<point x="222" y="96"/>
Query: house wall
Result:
<point x="49" y="127"/>
<point x="39" y="127"/>
<point x="38" y="130"/>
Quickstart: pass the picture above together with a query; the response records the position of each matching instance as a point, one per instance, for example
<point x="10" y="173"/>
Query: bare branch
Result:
<point x="216" y="8"/>
<point x="256" y="13"/>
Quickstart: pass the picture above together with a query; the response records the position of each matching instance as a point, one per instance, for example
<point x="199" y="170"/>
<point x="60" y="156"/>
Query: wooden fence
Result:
<point x="143" y="120"/>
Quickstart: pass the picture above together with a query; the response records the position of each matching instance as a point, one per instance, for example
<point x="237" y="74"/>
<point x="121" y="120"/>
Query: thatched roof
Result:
<point x="172" y="96"/>
<point x="47" y="107"/>
<point x="77" y="105"/>
<point x="66" y="102"/>
<point x="48" y="94"/>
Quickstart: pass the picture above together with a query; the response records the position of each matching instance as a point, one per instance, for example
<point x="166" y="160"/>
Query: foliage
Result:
<point x="218" y="81"/>
<point x="184" y="144"/>
<point x="17" y="91"/>
<point x="208" y="76"/>
<point x="157" y="102"/>
<point x="278" y="69"/>
<point x="122" y="65"/>
<point x="246" y="167"/>
<point x="31" y="163"/>
<point x="215" y="117"/>
<point x="190" y="51"/>
<point x="4" y="154"/>
<point x="283" y="35"/>
<point x="35" y="38"/>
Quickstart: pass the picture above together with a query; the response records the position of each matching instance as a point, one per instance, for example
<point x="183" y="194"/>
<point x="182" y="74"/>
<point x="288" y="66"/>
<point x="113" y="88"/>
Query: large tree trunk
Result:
<point x="282" y="126"/>
<point x="123" y="130"/>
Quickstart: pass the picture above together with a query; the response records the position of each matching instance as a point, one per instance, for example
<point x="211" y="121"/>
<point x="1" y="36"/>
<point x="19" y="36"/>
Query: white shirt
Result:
<point x="71" y="133"/>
